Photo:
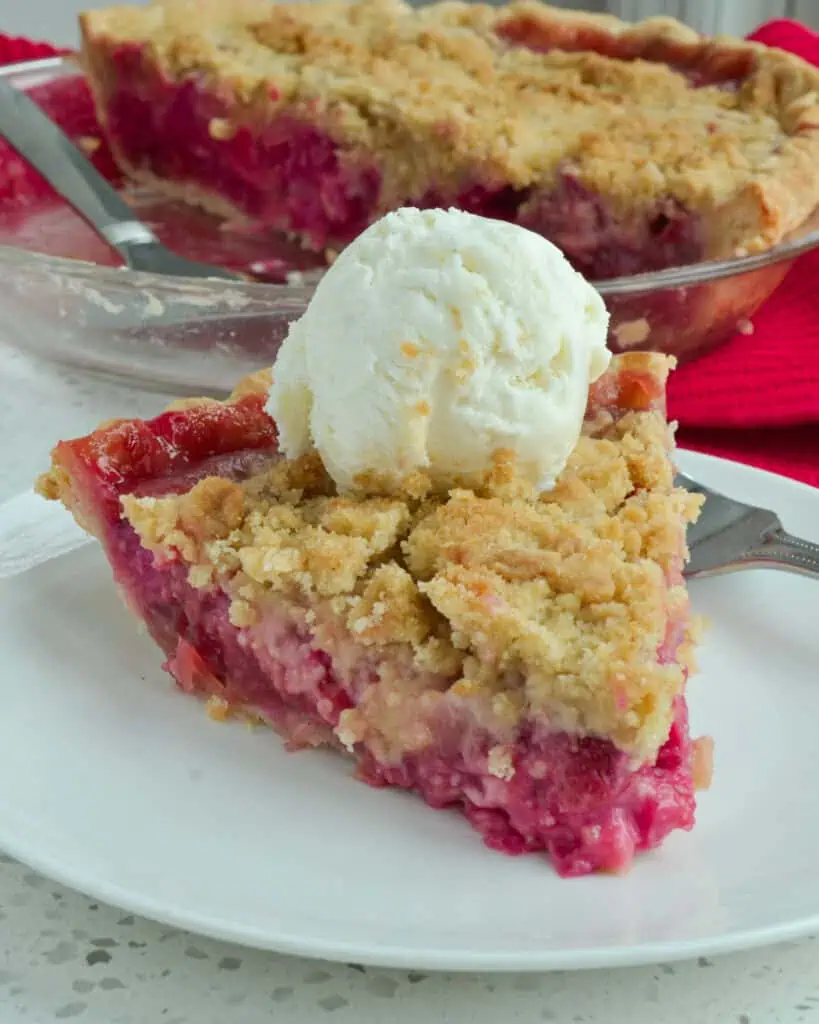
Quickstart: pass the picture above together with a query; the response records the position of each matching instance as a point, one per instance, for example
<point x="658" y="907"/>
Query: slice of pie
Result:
<point x="520" y="658"/>
<point x="632" y="147"/>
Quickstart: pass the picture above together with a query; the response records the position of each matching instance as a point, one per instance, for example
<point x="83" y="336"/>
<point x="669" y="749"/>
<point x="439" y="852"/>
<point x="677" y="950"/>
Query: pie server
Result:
<point x="53" y="155"/>
<point x="209" y="312"/>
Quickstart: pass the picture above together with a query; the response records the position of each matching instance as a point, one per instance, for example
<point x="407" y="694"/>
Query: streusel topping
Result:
<point x="553" y="605"/>
<point x="442" y="87"/>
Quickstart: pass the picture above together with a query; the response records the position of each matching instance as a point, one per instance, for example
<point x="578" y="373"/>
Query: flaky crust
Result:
<point x="436" y="95"/>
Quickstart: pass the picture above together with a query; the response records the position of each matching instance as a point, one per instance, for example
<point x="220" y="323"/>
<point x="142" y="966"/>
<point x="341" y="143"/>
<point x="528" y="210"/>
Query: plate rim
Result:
<point x="401" y="958"/>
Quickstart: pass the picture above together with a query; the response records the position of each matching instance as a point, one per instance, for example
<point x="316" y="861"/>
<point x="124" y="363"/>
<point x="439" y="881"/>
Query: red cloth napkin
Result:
<point x="13" y="50"/>
<point x="755" y="399"/>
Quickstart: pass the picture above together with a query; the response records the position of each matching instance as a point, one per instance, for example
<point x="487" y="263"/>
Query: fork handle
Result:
<point x="781" y="550"/>
<point x="50" y="152"/>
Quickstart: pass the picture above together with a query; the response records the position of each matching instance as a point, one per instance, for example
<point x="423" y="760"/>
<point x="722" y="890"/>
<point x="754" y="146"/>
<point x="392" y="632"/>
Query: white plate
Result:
<point x="118" y="785"/>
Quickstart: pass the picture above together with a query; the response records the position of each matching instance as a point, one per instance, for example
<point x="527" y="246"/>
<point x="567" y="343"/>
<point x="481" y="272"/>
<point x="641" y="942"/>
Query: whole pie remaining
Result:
<point x="520" y="657"/>
<point x="632" y="147"/>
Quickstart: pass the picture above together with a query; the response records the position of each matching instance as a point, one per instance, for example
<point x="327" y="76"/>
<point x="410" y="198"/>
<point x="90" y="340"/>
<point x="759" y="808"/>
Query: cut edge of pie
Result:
<point x="663" y="147"/>
<point x="521" y="658"/>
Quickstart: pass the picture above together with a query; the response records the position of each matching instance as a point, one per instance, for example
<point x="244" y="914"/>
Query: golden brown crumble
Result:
<point x="218" y="708"/>
<point x="553" y="605"/>
<point x="437" y="97"/>
<point x="500" y="763"/>
<point x="391" y="609"/>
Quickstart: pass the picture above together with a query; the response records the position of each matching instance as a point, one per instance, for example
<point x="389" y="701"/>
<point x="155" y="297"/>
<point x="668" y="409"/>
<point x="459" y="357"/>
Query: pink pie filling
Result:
<point x="287" y="175"/>
<point x="576" y="799"/>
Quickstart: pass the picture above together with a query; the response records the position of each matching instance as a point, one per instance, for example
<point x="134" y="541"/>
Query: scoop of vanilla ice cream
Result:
<point x="436" y="339"/>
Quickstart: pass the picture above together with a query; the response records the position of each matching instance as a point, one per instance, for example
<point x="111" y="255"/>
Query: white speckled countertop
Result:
<point x="63" y="957"/>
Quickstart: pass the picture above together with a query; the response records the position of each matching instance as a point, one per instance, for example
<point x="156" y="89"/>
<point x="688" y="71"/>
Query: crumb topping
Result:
<point x="441" y="94"/>
<point x="551" y="605"/>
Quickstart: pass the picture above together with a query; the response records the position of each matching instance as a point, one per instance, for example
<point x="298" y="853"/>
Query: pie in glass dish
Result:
<point x="519" y="656"/>
<point x="632" y="147"/>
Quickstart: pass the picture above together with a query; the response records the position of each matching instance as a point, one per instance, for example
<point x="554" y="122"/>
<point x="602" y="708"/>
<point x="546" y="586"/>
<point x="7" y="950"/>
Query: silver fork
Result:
<point x="730" y="535"/>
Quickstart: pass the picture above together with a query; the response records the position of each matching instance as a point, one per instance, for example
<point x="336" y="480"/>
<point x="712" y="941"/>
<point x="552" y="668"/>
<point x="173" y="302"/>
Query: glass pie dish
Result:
<point x="63" y="296"/>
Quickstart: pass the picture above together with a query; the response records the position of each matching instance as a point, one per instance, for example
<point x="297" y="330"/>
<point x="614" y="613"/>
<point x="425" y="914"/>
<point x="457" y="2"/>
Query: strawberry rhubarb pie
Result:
<point x="445" y="539"/>
<point x="632" y="147"/>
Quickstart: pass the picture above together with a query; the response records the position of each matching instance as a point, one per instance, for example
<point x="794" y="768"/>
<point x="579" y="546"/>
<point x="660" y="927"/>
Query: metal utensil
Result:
<point x="50" y="152"/>
<point x="730" y="535"/>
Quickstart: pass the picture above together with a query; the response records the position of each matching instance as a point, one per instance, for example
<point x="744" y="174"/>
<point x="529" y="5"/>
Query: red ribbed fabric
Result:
<point x="756" y="399"/>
